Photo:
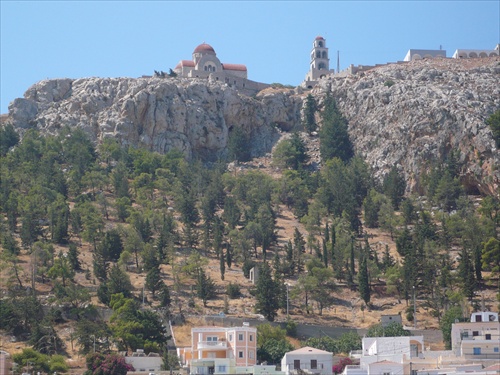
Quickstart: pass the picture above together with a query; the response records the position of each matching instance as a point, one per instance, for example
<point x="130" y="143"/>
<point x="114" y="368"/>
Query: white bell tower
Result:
<point x="319" y="56"/>
<point x="319" y="65"/>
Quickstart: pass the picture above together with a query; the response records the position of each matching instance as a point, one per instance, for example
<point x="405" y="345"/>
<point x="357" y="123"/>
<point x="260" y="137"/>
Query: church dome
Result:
<point x="320" y="38"/>
<point x="204" y="47"/>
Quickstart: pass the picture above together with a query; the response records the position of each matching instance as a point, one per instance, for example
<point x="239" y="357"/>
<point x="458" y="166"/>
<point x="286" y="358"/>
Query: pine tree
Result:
<point x="310" y="114"/>
<point x="333" y="135"/>
<point x="153" y="280"/>
<point x="222" y="264"/>
<point x="205" y="287"/>
<point x="73" y="254"/>
<point x="466" y="273"/>
<point x="267" y="293"/>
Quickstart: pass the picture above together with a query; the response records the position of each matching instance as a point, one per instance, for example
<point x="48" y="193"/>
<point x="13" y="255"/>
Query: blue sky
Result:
<point x="59" y="39"/>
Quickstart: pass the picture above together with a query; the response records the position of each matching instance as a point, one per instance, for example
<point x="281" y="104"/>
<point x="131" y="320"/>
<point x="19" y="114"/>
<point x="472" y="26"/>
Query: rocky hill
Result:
<point x="400" y="114"/>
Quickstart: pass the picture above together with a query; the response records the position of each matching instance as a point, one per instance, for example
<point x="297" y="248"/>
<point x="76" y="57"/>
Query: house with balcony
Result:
<point x="220" y="350"/>
<point x="478" y="339"/>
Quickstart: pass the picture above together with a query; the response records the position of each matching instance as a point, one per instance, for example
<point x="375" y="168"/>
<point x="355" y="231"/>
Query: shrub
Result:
<point x="389" y="83"/>
<point x="233" y="291"/>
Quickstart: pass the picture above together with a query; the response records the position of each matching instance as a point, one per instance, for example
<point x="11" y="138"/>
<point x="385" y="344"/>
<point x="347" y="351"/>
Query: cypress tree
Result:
<point x="364" y="286"/>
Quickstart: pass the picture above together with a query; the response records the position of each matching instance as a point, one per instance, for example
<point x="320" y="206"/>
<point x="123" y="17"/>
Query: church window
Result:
<point x="323" y="54"/>
<point x="318" y="54"/>
<point x="320" y="44"/>
<point x="321" y="66"/>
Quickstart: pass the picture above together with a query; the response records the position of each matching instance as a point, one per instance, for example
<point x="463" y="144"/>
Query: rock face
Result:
<point x="194" y="116"/>
<point x="415" y="113"/>
<point x="407" y="115"/>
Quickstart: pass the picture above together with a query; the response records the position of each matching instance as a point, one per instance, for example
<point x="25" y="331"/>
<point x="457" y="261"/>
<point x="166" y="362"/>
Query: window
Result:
<point x="476" y="351"/>
<point x="318" y="54"/>
<point x="240" y="336"/>
<point x="479" y="318"/>
<point x="323" y="54"/>
<point x="495" y="350"/>
<point x="475" y="333"/>
<point x="320" y="44"/>
<point x="251" y="354"/>
<point x="296" y="364"/>
<point x="387" y="373"/>
<point x="221" y="368"/>
<point x="231" y="337"/>
<point x="314" y="364"/>
<point x="251" y="338"/>
<point x="488" y="336"/>
<point x="240" y="354"/>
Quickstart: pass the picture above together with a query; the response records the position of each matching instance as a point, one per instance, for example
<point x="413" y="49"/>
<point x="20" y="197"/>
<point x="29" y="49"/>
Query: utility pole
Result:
<point x="414" y="309"/>
<point x="287" y="300"/>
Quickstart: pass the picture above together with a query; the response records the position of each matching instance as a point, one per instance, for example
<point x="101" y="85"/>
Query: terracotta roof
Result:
<point x="239" y="67"/>
<point x="320" y="38"/>
<point x="188" y="63"/>
<point x="204" y="47"/>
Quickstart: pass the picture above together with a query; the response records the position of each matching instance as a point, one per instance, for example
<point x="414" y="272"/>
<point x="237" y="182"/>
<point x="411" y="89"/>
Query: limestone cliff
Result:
<point x="412" y="114"/>
<point x="194" y="116"/>
<point x="400" y="114"/>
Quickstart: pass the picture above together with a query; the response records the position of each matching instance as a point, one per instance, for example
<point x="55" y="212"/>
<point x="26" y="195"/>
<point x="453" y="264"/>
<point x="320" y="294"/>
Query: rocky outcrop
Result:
<point x="415" y="113"/>
<point x="408" y="114"/>
<point x="194" y="116"/>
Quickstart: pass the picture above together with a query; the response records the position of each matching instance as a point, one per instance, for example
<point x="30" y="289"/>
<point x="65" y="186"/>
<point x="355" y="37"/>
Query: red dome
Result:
<point x="320" y="38"/>
<point x="204" y="48"/>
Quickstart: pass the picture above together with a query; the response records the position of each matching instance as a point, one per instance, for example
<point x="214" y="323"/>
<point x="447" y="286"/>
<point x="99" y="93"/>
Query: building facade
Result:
<point x="220" y="350"/>
<point x="419" y="54"/>
<point x="307" y="360"/>
<point x="474" y="53"/>
<point x="477" y="339"/>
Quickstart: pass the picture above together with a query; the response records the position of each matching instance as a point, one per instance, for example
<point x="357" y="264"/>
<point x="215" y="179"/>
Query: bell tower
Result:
<point x="320" y="63"/>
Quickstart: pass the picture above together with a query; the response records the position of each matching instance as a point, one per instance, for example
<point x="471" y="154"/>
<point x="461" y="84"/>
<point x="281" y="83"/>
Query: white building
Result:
<point x="307" y="360"/>
<point x="419" y="54"/>
<point x="388" y="355"/>
<point x="145" y="363"/>
<point x="478" y="339"/>
<point x="474" y="53"/>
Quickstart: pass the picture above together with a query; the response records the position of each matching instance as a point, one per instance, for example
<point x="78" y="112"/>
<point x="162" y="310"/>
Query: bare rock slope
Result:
<point x="415" y="113"/>
<point x="407" y="114"/>
<point x="194" y="116"/>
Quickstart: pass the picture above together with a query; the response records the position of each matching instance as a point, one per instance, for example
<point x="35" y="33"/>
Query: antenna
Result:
<point x="338" y="61"/>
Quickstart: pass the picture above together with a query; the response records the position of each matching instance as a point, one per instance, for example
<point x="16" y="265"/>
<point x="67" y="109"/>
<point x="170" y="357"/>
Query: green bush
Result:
<point x="233" y="291"/>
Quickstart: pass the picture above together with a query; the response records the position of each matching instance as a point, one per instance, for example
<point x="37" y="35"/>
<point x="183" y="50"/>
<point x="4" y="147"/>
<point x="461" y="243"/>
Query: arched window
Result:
<point x="323" y="54"/>
<point x="318" y="54"/>
<point x="320" y="43"/>
<point x="321" y="66"/>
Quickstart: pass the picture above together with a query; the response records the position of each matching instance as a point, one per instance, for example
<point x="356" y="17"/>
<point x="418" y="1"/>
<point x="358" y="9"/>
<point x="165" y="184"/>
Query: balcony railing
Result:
<point x="217" y="345"/>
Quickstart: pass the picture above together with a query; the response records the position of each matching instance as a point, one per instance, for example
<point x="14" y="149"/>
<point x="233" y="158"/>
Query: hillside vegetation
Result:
<point x="150" y="235"/>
